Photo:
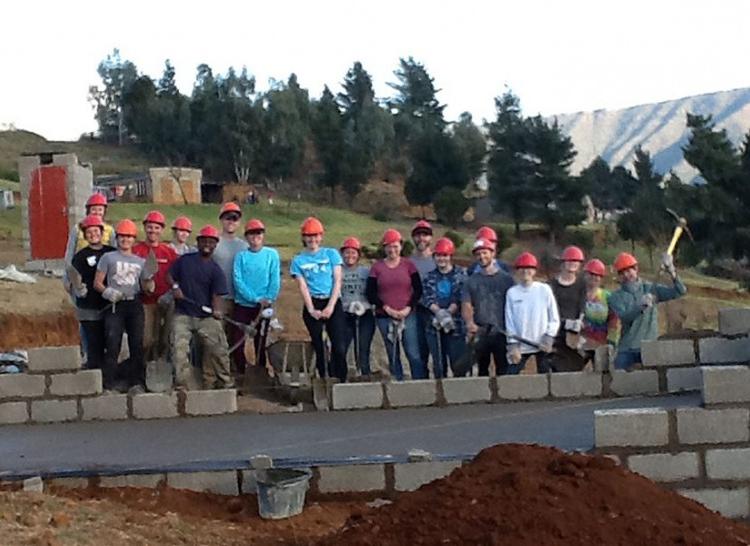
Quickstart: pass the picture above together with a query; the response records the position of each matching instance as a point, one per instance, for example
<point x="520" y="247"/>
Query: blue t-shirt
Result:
<point x="317" y="270"/>
<point x="199" y="280"/>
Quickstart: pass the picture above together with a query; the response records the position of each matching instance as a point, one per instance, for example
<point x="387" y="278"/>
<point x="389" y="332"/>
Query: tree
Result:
<point x="117" y="76"/>
<point x="471" y="144"/>
<point x="609" y="189"/>
<point x="328" y="135"/>
<point x="450" y="205"/>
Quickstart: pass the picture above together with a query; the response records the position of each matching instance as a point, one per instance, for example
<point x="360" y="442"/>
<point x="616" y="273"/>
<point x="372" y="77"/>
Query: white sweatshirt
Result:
<point x="531" y="312"/>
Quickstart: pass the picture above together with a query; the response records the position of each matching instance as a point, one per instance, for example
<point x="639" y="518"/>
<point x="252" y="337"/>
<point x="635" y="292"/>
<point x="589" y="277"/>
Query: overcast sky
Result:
<point x="557" y="56"/>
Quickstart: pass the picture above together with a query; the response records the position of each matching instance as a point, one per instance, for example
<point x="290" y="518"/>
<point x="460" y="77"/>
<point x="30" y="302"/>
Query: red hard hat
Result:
<point x="486" y="232"/>
<point x="572" y="254"/>
<point x="526" y="259"/>
<point x="353" y="243"/>
<point x="209" y="231"/>
<point x="254" y="225"/>
<point x="595" y="267"/>
<point x="422" y="225"/>
<point x="126" y="227"/>
<point x="97" y="199"/>
<point x="311" y="226"/>
<point x="391" y="236"/>
<point x="624" y="261"/>
<point x="183" y="223"/>
<point x="92" y="220"/>
<point x="482" y="244"/>
<point x="445" y="246"/>
<point x="155" y="217"/>
<point x="231" y="206"/>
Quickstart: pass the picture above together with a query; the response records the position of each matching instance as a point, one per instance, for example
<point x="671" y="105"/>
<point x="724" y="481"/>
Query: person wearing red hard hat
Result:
<point x="182" y="227"/>
<point x="442" y="297"/>
<point x="360" y="321"/>
<point x="317" y="270"/>
<point x="421" y="257"/>
<point x="635" y="305"/>
<point x="601" y="327"/>
<point x="488" y="234"/>
<point x="96" y="205"/>
<point x="394" y="288"/>
<point x="121" y="277"/>
<point x="89" y="302"/>
<point x="569" y="289"/>
<point x="530" y="314"/>
<point x="257" y="281"/>
<point x="199" y="288"/>
<point x="483" y="309"/>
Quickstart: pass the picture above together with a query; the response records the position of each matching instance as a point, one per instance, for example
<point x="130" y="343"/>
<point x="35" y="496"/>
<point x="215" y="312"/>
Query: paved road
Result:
<point x="450" y="430"/>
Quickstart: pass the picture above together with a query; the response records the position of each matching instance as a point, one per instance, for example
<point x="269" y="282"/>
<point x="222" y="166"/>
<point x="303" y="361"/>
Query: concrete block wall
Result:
<point x="702" y="453"/>
<point x="55" y="389"/>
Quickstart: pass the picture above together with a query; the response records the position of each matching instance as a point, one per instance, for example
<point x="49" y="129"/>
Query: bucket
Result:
<point x="281" y="492"/>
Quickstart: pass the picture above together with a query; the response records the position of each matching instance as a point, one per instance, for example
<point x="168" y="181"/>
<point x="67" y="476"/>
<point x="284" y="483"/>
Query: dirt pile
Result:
<point x="531" y="495"/>
<point x="43" y="330"/>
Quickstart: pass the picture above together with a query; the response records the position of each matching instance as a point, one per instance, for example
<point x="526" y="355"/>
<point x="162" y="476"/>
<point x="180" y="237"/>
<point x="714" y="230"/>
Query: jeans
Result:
<point x="515" y="369"/>
<point x="93" y="333"/>
<point x="364" y="338"/>
<point x="424" y="320"/>
<point x="492" y="345"/>
<point x="452" y="347"/>
<point x="626" y="358"/>
<point x="335" y="326"/>
<point x="410" y="341"/>
<point x="127" y="317"/>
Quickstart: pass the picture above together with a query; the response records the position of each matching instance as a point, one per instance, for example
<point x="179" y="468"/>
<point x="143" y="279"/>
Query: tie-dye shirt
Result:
<point x="600" y="323"/>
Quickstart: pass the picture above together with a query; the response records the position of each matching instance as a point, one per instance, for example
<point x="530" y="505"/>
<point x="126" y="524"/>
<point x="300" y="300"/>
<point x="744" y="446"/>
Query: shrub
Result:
<point x="455" y="237"/>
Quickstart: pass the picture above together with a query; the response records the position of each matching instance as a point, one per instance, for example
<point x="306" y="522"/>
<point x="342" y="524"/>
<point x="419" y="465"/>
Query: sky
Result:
<point x="557" y="56"/>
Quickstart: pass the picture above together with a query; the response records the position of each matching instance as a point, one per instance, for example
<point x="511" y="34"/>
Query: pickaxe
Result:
<point x="679" y="228"/>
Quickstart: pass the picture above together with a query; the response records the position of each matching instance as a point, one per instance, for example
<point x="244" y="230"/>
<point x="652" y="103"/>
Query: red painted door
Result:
<point x="48" y="213"/>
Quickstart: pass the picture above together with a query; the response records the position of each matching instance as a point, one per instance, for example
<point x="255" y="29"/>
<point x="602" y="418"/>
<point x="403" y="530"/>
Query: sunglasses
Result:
<point x="230" y="217"/>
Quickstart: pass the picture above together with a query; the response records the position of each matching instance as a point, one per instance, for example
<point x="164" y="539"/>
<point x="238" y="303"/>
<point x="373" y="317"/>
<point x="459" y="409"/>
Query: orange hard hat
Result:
<point x="624" y="261"/>
<point x="155" y="217"/>
<point x="486" y="232"/>
<point x="353" y="243"/>
<point x="183" y="223"/>
<point x="254" y="225"/>
<point x="92" y="220"/>
<point x="572" y="254"/>
<point x="390" y="236"/>
<point x="311" y="226"/>
<point x="445" y="246"/>
<point x="209" y="231"/>
<point x="482" y="244"/>
<point x="595" y="267"/>
<point x="231" y="206"/>
<point x="97" y="199"/>
<point x="526" y="259"/>
<point x="422" y="226"/>
<point x="126" y="227"/>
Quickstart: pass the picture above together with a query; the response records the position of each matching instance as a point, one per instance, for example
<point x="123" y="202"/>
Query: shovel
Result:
<point x="76" y="282"/>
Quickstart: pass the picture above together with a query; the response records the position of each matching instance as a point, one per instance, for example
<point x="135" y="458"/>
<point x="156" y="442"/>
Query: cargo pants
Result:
<point x="210" y="335"/>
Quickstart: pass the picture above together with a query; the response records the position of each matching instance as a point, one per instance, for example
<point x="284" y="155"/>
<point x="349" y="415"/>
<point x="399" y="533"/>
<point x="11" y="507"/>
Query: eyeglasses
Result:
<point x="231" y="217"/>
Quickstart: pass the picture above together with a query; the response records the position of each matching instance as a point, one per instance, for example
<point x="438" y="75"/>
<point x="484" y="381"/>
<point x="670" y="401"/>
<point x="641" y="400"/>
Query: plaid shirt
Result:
<point x="444" y="289"/>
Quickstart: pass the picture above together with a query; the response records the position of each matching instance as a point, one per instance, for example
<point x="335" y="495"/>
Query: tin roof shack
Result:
<point x="175" y="185"/>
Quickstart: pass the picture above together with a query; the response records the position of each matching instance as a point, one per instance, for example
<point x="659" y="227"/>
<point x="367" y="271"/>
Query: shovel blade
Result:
<point x="158" y="375"/>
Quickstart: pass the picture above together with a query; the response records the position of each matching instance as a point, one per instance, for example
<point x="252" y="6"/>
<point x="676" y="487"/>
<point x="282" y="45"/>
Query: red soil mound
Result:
<point x="46" y="330"/>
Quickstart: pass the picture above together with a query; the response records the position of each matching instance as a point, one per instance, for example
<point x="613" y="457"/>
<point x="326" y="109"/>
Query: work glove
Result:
<point x="82" y="291"/>
<point x="112" y="294"/>
<point x="275" y="324"/>
<point x="267" y="313"/>
<point x="357" y="308"/>
<point x="546" y="344"/>
<point x="667" y="264"/>
<point x="647" y="300"/>
<point x="165" y="300"/>
<point x="573" y="325"/>
<point x="514" y="354"/>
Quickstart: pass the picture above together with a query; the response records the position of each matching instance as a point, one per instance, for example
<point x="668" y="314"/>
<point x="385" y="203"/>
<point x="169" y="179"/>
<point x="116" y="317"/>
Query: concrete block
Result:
<point x="21" y="385"/>
<point x="722" y="384"/>
<point x="734" y="321"/>
<point x="54" y="411"/>
<point x="631" y="427"/>
<point x="13" y="412"/>
<point x="149" y="481"/>
<point x="223" y="482"/>
<point x="347" y="396"/>
<point x="684" y="379"/>
<point x="69" y="483"/>
<point x="635" y="382"/>
<point x="667" y="352"/>
<point x="412" y="393"/>
<point x="728" y="464"/>
<point x="261" y="462"/>
<point x="213" y="402"/>
<point x="718" y="350"/>
<point x="34" y="485"/>
<point x="154" y="406"/>
<point x="78" y="383"/>
<point x="730" y="503"/>
<point x="703" y="426"/>
<point x="464" y="390"/>
<point x="360" y="477"/>
<point x="249" y="482"/>
<point x="523" y="387"/>
<point x="105" y="408"/>
<point x="48" y="359"/>
<point x="665" y="467"/>
<point x="575" y="384"/>
<point x="411" y="476"/>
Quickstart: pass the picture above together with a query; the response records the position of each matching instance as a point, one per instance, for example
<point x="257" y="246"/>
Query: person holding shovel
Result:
<point x="360" y="321"/>
<point x="394" y="288"/>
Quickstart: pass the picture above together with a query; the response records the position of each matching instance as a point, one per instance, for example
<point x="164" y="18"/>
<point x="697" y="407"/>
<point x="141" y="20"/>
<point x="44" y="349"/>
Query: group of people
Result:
<point x="170" y="299"/>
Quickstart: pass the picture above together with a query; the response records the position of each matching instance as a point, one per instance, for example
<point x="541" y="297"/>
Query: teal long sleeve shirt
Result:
<point x="257" y="276"/>
<point x="641" y="324"/>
